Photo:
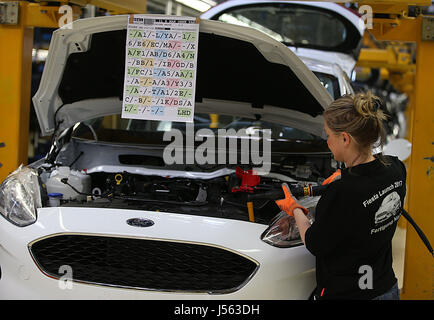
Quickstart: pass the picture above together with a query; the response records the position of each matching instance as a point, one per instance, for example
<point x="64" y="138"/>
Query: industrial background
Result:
<point x="396" y="61"/>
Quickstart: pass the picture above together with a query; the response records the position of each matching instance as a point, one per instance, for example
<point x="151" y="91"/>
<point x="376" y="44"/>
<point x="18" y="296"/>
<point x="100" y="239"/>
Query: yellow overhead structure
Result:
<point x="395" y="63"/>
<point x="113" y="6"/>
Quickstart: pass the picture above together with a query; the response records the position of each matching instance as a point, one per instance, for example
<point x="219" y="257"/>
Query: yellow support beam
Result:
<point x="396" y="62"/>
<point x="46" y="16"/>
<point x="121" y="7"/>
<point x="396" y="29"/>
<point x="419" y="264"/>
<point x="114" y="6"/>
<point x="385" y="58"/>
<point x="15" y="77"/>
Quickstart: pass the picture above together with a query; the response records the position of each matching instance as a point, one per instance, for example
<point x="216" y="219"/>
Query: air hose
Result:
<point x="418" y="230"/>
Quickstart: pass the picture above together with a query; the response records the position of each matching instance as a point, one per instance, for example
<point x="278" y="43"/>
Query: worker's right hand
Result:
<point x="289" y="204"/>
<point x="333" y="177"/>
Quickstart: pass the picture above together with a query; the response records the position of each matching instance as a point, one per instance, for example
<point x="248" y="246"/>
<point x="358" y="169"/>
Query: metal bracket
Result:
<point x="9" y="12"/>
<point x="427" y="28"/>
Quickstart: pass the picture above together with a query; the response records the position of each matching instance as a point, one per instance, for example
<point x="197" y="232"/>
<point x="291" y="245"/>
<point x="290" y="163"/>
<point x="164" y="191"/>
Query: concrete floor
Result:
<point x="398" y="253"/>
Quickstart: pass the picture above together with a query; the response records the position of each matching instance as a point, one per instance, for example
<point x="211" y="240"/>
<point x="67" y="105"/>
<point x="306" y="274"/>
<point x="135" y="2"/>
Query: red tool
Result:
<point x="248" y="180"/>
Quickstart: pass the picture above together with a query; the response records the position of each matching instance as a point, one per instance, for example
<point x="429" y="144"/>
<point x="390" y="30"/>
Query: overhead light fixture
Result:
<point x="199" y="5"/>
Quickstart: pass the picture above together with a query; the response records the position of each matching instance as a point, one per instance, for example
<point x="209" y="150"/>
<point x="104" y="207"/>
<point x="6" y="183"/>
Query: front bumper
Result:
<point x="281" y="273"/>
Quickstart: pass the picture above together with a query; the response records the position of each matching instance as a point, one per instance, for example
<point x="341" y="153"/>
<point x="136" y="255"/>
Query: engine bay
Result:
<point x="223" y="196"/>
<point x="100" y="175"/>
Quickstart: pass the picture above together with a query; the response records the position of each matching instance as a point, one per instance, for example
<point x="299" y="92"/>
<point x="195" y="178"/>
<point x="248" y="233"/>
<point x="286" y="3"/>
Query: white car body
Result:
<point x="280" y="273"/>
<point x="344" y="60"/>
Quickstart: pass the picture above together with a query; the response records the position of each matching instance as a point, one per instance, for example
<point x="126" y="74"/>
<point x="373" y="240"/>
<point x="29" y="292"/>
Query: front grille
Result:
<point x="143" y="263"/>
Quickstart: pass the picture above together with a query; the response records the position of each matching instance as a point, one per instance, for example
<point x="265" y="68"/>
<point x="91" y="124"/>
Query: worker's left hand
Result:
<point x="289" y="204"/>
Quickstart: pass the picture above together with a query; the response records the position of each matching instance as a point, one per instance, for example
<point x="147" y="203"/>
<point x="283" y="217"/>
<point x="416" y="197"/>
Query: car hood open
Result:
<point x="240" y="71"/>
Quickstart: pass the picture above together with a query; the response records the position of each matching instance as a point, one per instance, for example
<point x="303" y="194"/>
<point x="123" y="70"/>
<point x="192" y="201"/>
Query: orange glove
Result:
<point x="289" y="204"/>
<point x="333" y="177"/>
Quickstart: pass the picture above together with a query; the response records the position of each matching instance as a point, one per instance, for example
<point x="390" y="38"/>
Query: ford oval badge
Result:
<point x="140" y="222"/>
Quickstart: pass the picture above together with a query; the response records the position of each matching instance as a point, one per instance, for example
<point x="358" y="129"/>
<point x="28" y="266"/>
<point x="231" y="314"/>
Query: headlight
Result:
<point x="20" y="196"/>
<point x="283" y="232"/>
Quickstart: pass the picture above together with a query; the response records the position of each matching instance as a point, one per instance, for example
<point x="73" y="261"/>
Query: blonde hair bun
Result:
<point x="367" y="105"/>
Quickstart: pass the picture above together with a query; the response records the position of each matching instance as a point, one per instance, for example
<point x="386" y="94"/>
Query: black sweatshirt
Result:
<point x="352" y="234"/>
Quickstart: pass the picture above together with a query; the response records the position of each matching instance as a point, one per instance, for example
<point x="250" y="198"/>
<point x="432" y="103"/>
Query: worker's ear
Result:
<point x="346" y="138"/>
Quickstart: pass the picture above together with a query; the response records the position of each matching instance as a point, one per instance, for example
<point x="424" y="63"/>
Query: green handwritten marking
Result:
<point x="185" y="93"/>
<point x="130" y="108"/>
<point x="187" y="74"/>
<point x="134" y="53"/>
<point x="189" y="36"/>
<point x="187" y="55"/>
<point x="135" y="34"/>
<point x="132" y="71"/>
<point x="132" y="90"/>
<point x="184" y="112"/>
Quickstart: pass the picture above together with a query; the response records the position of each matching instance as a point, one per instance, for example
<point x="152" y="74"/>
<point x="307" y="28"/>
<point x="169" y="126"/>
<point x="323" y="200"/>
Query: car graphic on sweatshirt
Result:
<point x="388" y="208"/>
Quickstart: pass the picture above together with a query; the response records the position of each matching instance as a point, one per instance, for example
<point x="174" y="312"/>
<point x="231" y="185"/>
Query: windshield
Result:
<point x="212" y="141"/>
<point x="116" y="129"/>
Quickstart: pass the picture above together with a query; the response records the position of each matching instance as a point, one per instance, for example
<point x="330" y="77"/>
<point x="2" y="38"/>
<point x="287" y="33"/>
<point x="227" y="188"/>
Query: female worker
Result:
<point x="356" y="216"/>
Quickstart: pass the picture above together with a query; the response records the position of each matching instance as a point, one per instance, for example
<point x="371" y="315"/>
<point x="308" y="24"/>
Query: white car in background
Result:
<point x="130" y="226"/>
<point x="326" y="36"/>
